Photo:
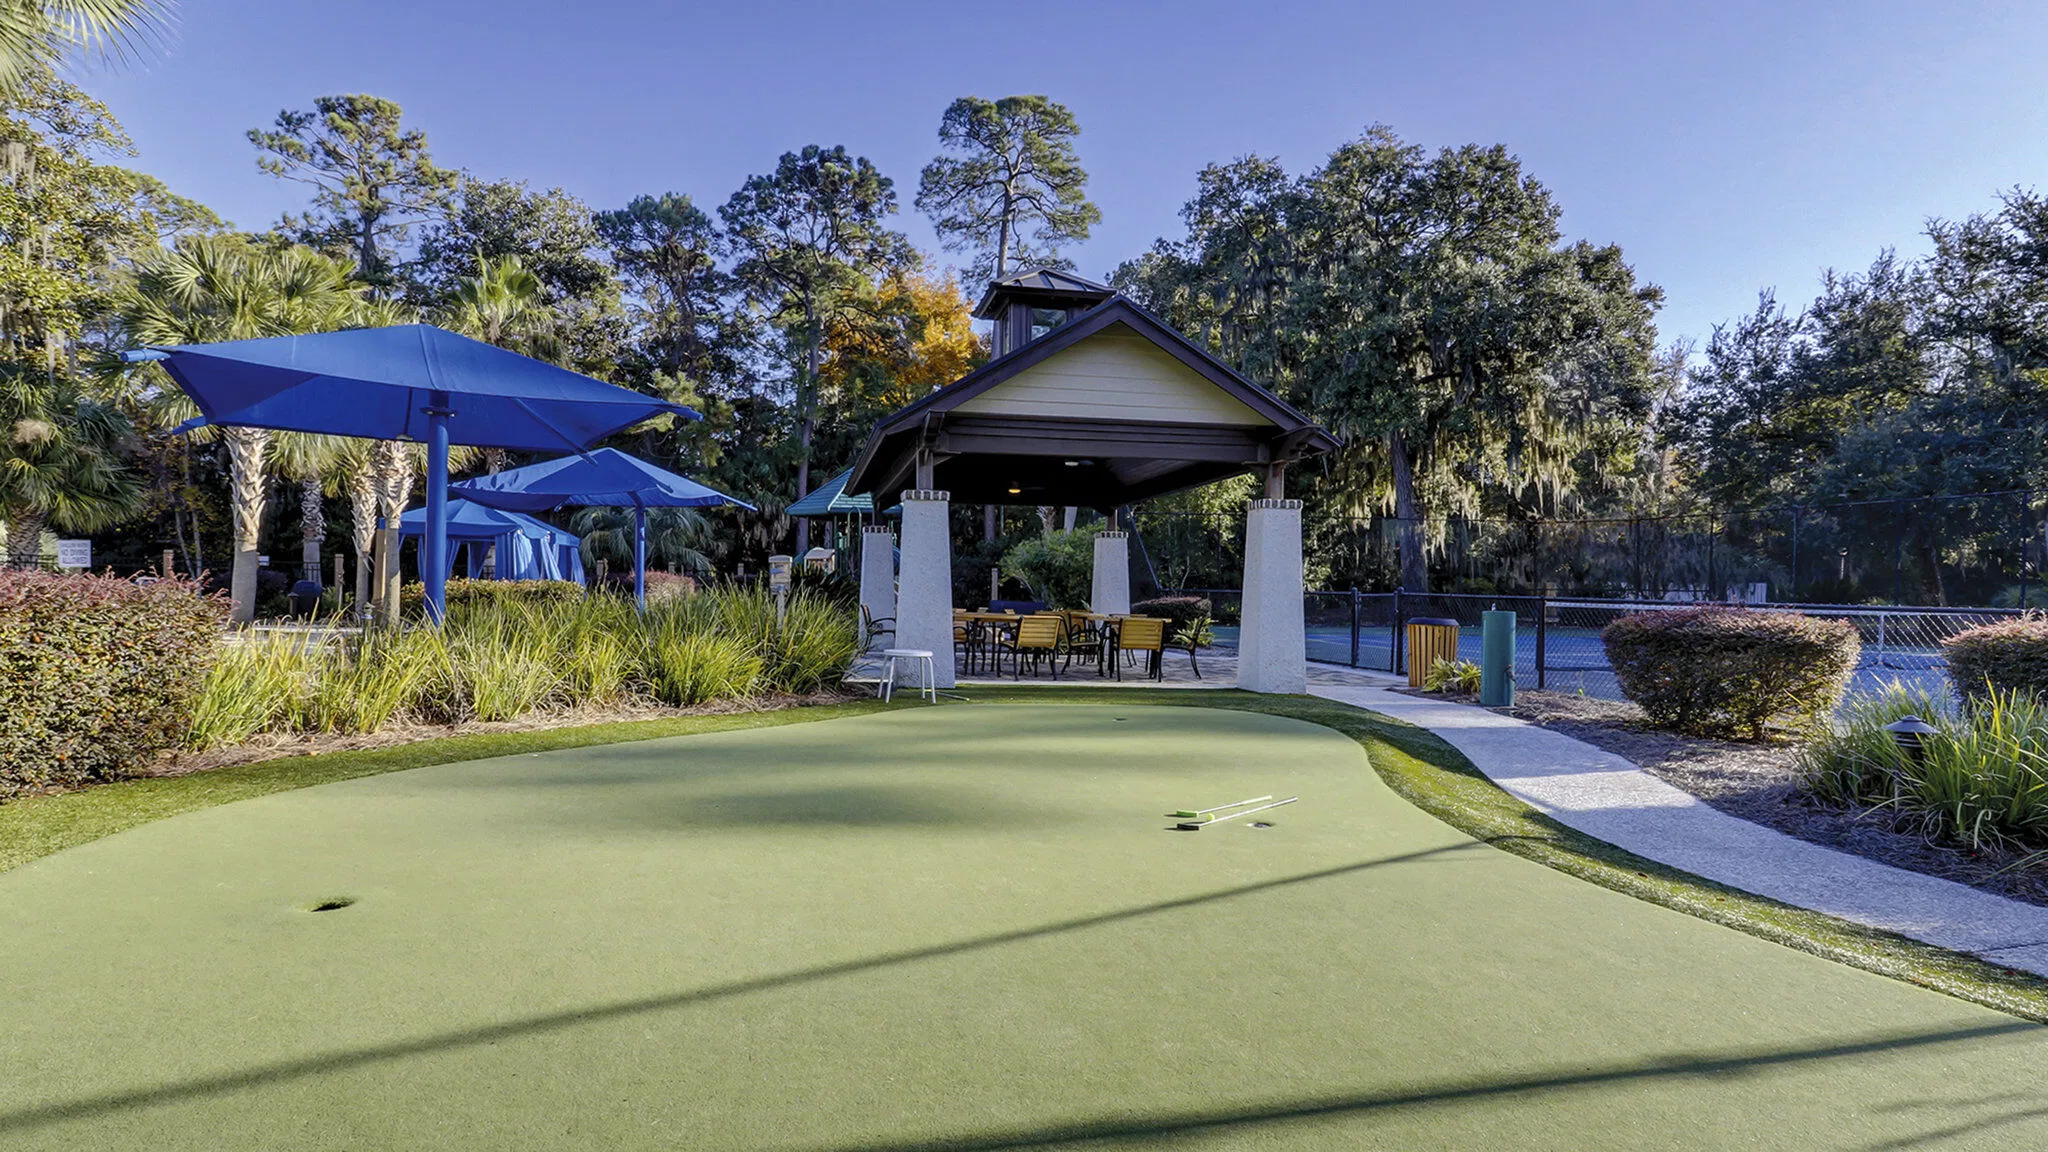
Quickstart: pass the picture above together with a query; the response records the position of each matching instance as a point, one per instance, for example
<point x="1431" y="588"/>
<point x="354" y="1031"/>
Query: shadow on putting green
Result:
<point x="1678" y="1066"/>
<point x="285" y="1071"/>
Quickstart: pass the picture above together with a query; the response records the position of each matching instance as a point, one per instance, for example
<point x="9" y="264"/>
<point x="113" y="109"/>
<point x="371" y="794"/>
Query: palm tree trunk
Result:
<point x="362" y="509"/>
<point x="245" y="460"/>
<point x="312" y="526"/>
<point x="24" y="539"/>
<point x="394" y="491"/>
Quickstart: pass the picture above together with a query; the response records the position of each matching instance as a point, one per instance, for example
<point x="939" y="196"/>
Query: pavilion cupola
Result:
<point x="1028" y="305"/>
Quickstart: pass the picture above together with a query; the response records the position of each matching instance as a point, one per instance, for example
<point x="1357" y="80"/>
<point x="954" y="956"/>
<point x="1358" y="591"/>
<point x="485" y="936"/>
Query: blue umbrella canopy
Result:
<point x="406" y="382"/>
<point x="605" y="478"/>
<point x="381" y="383"/>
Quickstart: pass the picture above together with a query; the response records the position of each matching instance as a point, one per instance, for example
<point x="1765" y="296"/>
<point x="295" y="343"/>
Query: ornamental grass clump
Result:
<point x="1980" y="780"/>
<point x="500" y="657"/>
<point x="1716" y="671"/>
<point x="261" y="681"/>
<point x="97" y="674"/>
<point x="2011" y="655"/>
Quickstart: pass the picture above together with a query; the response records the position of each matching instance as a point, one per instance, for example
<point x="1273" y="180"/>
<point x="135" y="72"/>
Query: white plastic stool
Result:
<point x="927" y="680"/>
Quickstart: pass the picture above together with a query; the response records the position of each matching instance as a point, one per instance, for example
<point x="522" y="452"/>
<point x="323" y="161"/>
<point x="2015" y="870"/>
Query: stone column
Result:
<point x="1271" y="647"/>
<point x="924" y="602"/>
<point x="1112" y="591"/>
<point x="878" y="575"/>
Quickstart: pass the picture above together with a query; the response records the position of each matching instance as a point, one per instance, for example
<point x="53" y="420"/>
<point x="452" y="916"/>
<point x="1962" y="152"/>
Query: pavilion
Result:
<point x="1093" y="402"/>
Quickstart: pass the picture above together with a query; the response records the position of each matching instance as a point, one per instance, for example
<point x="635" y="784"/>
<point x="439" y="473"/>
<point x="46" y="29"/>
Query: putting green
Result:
<point x="964" y="927"/>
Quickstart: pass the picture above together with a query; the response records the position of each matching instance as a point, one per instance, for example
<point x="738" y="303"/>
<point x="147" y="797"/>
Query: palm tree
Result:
<point x="672" y="537"/>
<point x="315" y="462"/>
<point x="61" y="463"/>
<point x="211" y="288"/>
<point x="38" y="34"/>
<point x="504" y="305"/>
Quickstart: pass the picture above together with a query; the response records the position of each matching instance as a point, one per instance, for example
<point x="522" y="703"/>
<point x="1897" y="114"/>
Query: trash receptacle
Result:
<point x="306" y="597"/>
<point x="1430" y="639"/>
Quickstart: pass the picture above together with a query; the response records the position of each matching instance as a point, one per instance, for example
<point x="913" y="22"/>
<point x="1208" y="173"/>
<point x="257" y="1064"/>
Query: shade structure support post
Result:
<point x="924" y="607"/>
<point x="434" y="547"/>
<point x="878" y="575"/>
<point x="1111" y="594"/>
<point x="1272" y="654"/>
<point x="640" y="557"/>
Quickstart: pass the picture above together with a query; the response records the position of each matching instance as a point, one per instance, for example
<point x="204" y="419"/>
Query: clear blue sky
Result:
<point x="1726" y="146"/>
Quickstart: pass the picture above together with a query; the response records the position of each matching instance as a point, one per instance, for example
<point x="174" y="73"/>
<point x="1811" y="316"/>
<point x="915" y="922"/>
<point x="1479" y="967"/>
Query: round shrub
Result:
<point x="1182" y="611"/>
<point x="2009" y="656"/>
<point x="97" y="674"/>
<point x="1714" y="671"/>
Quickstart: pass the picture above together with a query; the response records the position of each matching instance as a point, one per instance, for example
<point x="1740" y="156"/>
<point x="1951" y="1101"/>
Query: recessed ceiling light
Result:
<point x="1015" y="490"/>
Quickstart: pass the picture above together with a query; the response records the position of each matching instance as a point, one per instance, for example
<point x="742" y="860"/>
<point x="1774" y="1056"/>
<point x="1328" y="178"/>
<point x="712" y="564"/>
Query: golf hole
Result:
<point x="1260" y="824"/>
<point x="333" y="905"/>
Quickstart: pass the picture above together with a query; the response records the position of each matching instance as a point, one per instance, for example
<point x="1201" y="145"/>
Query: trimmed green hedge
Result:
<point x="1714" y="671"/>
<point x="2010" y="656"/>
<point x="97" y="674"/>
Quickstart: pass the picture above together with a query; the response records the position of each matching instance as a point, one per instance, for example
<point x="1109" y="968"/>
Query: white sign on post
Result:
<point x="74" y="553"/>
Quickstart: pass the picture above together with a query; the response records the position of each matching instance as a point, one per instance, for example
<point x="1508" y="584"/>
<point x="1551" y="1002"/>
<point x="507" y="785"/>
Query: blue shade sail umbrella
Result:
<point x="407" y="382"/>
<point x="606" y="478"/>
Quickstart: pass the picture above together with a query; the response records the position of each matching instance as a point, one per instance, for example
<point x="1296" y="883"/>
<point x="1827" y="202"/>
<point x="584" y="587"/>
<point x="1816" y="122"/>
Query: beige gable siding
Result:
<point x="1115" y="374"/>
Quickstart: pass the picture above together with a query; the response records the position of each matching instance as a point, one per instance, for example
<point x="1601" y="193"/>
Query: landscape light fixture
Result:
<point x="1910" y="733"/>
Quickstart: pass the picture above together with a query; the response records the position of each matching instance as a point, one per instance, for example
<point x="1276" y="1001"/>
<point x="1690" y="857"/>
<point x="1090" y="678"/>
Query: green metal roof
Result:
<point x="830" y="499"/>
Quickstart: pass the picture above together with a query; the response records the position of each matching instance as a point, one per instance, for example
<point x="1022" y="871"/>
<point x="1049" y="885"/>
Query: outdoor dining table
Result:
<point x="989" y="625"/>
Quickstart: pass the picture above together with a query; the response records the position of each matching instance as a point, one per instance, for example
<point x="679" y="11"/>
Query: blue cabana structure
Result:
<point x="606" y="478"/>
<point x="406" y="382"/>
<point x="528" y="549"/>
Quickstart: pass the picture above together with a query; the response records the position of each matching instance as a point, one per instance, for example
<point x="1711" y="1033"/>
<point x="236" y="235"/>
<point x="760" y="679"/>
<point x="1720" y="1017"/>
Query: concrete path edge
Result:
<point x="1612" y="799"/>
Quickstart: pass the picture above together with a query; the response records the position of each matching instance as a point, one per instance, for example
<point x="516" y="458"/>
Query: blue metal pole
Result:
<point x="640" y="557"/>
<point x="434" y="553"/>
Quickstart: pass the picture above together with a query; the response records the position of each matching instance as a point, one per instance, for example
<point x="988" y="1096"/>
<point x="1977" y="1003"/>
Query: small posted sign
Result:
<point x="74" y="553"/>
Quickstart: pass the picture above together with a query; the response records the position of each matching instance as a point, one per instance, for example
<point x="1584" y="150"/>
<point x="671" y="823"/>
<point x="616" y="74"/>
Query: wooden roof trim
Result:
<point x="1092" y="322"/>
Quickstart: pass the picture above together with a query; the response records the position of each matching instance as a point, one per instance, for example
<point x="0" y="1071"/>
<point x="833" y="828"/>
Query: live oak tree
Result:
<point x="806" y="240"/>
<point x="1009" y="185"/>
<point x="372" y="179"/>
<point x="1425" y="308"/>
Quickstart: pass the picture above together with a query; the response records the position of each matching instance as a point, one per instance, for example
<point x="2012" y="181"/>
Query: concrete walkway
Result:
<point x="1610" y="798"/>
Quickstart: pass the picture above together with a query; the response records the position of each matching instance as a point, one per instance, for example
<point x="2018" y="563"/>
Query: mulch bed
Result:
<point x="1760" y="783"/>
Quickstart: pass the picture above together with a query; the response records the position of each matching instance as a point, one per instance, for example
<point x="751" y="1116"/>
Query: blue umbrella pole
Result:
<point x="640" y="557"/>
<point x="434" y="557"/>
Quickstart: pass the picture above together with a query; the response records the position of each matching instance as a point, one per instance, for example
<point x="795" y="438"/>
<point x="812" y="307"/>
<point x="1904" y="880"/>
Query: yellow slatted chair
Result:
<point x="1083" y="641"/>
<point x="1142" y="634"/>
<point x="1037" y="636"/>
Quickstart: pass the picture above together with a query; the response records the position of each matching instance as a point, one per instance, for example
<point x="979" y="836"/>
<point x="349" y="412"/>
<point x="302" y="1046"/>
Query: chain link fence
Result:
<point x="1929" y="551"/>
<point x="1557" y="640"/>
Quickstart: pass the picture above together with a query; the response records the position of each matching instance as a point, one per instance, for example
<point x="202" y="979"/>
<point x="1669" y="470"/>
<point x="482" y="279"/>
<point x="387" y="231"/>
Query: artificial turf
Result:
<point x="958" y="927"/>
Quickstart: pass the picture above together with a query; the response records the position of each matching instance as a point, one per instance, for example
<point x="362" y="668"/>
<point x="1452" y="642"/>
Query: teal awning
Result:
<point x="830" y="499"/>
